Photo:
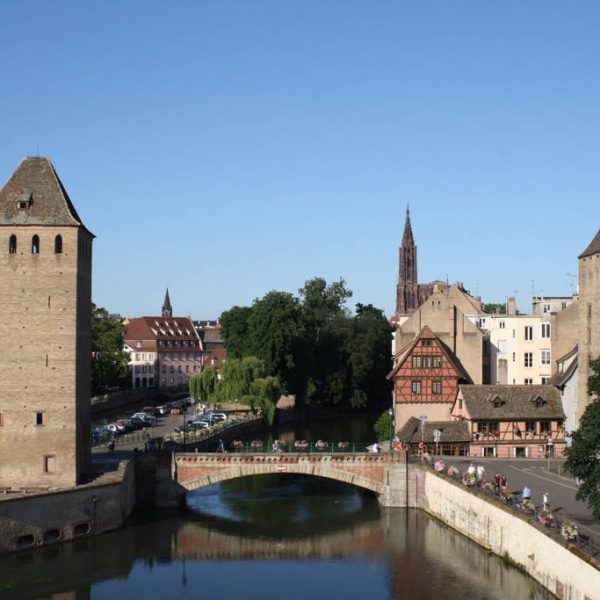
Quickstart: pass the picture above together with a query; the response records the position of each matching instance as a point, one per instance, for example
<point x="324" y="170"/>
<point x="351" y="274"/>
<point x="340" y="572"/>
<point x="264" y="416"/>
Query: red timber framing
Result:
<point x="425" y="372"/>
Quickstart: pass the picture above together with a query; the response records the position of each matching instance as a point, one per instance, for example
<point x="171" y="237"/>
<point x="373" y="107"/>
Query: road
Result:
<point x="533" y="473"/>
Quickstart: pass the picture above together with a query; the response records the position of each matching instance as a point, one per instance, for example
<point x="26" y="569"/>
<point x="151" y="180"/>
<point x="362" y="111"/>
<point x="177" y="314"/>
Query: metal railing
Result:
<point x="489" y="489"/>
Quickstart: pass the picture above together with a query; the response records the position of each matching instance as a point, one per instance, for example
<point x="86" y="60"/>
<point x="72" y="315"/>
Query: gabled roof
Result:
<point x="451" y="431"/>
<point x="36" y="184"/>
<point x="427" y="334"/>
<point x="559" y="379"/>
<point x="593" y="248"/>
<point x="161" y="328"/>
<point x="518" y="401"/>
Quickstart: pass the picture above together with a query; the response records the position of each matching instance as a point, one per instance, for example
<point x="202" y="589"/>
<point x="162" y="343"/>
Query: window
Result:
<point x="12" y="244"/>
<point x="39" y="418"/>
<point x="488" y="426"/>
<point x="436" y="362"/>
<point x="427" y="362"/>
<point x="528" y="333"/>
<point x="546" y="308"/>
<point x="545" y="330"/>
<point x="545" y="357"/>
<point x="436" y="387"/>
<point x="58" y="244"/>
<point x="164" y="369"/>
<point x="416" y="362"/>
<point x="545" y="427"/>
<point x="528" y="381"/>
<point x="529" y="359"/>
<point x="501" y="324"/>
<point x="529" y="426"/>
<point x="563" y="305"/>
<point x="426" y="342"/>
<point x="545" y="380"/>
<point x="35" y="245"/>
<point x="171" y="370"/>
<point x="49" y="463"/>
<point x="514" y="358"/>
<point x="1" y="419"/>
<point x="416" y="388"/>
<point x="137" y="356"/>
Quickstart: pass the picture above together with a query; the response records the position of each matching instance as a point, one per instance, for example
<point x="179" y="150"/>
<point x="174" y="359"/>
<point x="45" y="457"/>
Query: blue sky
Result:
<point x="229" y="148"/>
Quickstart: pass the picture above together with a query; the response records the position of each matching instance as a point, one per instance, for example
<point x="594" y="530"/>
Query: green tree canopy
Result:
<point x="492" y="308"/>
<point x="583" y="456"/>
<point x="313" y="345"/>
<point x="109" y="361"/>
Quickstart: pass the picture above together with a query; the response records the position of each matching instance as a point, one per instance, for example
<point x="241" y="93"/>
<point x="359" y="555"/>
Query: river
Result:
<point x="284" y="537"/>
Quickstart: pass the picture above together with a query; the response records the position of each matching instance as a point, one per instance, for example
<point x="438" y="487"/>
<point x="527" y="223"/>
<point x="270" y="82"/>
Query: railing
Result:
<point x="189" y="437"/>
<point x="553" y="526"/>
<point x="260" y="447"/>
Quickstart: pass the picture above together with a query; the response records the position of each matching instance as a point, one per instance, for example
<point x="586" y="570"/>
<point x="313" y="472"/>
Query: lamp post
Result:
<point x="391" y="414"/>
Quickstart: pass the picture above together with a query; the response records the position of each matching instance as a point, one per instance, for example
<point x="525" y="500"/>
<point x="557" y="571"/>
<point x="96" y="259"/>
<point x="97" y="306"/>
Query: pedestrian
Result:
<point x="471" y="470"/>
<point x="578" y="481"/>
<point x="546" y="501"/>
<point x="526" y="493"/>
<point x="480" y="472"/>
<point x="502" y="480"/>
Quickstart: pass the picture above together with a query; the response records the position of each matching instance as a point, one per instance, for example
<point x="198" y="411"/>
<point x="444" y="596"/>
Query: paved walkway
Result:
<point x="534" y="474"/>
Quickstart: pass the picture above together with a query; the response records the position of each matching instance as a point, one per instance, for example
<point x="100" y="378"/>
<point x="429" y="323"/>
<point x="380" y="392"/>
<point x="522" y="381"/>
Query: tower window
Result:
<point x="35" y="245"/>
<point x="58" y="244"/>
<point x="12" y="244"/>
<point x="39" y="418"/>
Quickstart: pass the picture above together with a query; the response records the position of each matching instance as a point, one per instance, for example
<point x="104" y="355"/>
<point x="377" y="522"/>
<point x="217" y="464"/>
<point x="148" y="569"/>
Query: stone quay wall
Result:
<point x="30" y="520"/>
<point x="561" y="569"/>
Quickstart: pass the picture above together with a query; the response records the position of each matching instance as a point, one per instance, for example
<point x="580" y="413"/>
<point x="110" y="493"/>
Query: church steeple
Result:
<point x="167" y="310"/>
<point x="407" y="291"/>
<point x="407" y="237"/>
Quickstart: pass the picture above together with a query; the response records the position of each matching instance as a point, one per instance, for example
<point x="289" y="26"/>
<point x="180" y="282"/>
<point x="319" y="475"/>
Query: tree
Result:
<point x="383" y="426"/>
<point x="109" y="361"/>
<point x="498" y="308"/>
<point x="234" y="324"/>
<point x="583" y="456"/>
<point x="275" y="329"/>
<point x="203" y="385"/>
<point x="369" y="356"/>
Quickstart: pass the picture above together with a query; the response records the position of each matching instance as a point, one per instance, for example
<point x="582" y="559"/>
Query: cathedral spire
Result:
<point x="407" y="238"/>
<point x="167" y="310"/>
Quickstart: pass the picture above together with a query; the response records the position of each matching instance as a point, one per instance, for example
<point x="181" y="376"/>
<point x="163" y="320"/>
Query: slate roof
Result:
<point x="593" y="248"/>
<point x="451" y="431"/>
<point x="560" y="378"/>
<point x="35" y="182"/>
<point x="518" y="402"/>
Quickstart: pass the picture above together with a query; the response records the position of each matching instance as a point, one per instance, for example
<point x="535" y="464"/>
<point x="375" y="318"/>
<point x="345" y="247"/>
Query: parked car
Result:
<point x="221" y="416"/>
<point x="163" y="409"/>
<point x="201" y="423"/>
<point x="139" y="423"/>
<point x="146" y="417"/>
<point x="115" y="428"/>
<point x="126" y="423"/>
<point x="189" y="401"/>
<point x="151" y="410"/>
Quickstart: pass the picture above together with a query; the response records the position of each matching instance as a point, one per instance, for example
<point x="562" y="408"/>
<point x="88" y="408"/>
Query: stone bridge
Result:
<point x="383" y="474"/>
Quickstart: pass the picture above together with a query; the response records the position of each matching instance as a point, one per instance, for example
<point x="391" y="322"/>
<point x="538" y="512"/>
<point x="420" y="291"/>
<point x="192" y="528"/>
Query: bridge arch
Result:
<point x="194" y="471"/>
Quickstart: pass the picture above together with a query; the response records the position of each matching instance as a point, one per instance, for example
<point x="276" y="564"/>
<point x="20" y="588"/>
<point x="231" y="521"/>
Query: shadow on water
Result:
<point x="269" y="537"/>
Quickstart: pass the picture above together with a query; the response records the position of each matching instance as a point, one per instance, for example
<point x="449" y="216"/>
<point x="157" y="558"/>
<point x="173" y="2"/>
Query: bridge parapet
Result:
<point x="384" y="474"/>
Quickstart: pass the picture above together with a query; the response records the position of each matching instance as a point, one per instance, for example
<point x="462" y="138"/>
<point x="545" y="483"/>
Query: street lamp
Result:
<point x="391" y="414"/>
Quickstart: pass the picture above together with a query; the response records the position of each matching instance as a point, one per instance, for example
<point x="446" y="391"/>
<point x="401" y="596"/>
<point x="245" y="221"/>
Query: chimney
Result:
<point x="511" y="306"/>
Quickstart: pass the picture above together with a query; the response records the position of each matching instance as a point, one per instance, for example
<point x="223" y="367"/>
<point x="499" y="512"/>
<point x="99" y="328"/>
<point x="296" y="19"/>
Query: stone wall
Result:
<point x="32" y="520"/>
<point x="559" y="568"/>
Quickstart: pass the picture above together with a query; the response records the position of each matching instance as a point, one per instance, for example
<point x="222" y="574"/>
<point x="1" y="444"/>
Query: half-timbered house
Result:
<point x="426" y="376"/>
<point x="512" y="421"/>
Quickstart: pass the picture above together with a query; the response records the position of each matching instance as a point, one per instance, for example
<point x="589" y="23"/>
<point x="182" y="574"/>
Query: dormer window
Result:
<point x="538" y="401"/>
<point x="24" y="203"/>
<point x="498" y="403"/>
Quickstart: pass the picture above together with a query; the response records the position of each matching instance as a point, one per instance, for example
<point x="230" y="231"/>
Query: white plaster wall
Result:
<point x="551" y="563"/>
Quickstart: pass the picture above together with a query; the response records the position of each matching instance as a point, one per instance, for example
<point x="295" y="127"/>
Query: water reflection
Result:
<point x="269" y="537"/>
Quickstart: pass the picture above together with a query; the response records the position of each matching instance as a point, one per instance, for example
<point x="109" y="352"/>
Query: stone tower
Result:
<point x="407" y="290"/>
<point x="167" y="309"/>
<point x="588" y="343"/>
<point x="45" y="298"/>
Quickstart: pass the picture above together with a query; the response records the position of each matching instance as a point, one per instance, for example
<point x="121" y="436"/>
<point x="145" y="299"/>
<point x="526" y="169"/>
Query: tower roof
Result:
<point x="167" y="302"/>
<point x="593" y="248"/>
<point x="407" y="237"/>
<point x="34" y="195"/>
